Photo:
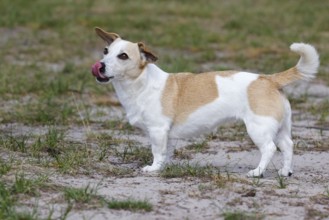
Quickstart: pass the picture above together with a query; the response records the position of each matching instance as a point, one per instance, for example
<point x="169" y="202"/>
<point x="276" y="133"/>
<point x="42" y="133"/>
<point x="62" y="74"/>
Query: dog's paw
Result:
<point x="254" y="173"/>
<point x="285" y="172"/>
<point x="151" y="168"/>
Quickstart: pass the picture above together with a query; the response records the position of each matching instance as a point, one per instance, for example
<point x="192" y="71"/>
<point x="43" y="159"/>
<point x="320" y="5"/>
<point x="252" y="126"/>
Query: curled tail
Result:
<point x="306" y="68"/>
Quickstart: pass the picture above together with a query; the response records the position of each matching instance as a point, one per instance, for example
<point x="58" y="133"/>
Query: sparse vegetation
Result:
<point x="131" y="205"/>
<point x="82" y="195"/>
<point x="187" y="170"/>
<point x="4" y="167"/>
<point x="206" y="173"/>
<point x="282" y="182"/>
<point x="52" y="120"/>
<point x="10" y="194"/>
<point x="198" y="146"/>
<point x="242" y="216"/>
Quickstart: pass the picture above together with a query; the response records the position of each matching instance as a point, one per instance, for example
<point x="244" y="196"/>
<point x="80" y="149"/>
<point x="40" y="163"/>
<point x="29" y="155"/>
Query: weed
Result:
<point x="53" y="141"/>
<point x="84" y="114"/>
<point x="4" y="167"/>
<point x="15" y="143"/>
<point x="132" y="153"/>
<point x="130" y="204"/>
<point x="66" y="211"/>
<point x="73" y="159"/>
<point x="6" y="200"/>
<point x="242" y="216"/>
<point x="118" y="125"/>
<point x="282" y="182"/>
<point x="199" y="146"/>
<point x="67" y="156"/>
<point x="187" y="170"/>
<point x="9" y="199"/>
<point x="103" y="153"/>
<point x="256" y="182"/>
<point x="119" y="171"/>
<point x="321" y="110"/>
<point x="47" y="111"/>
<point x="23" y="185"/>
<point x="81" y="195"/>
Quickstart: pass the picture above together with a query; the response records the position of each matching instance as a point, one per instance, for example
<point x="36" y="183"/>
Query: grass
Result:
<point x="131" y="205"/>
<point x="23" y="185"/>
<point x="130" y="154"/>
<point x="88" y="195"/>
<point x="10" y="195"/>
<point x="242" y="216"/>
<point x="208" y="172"/>
<point x="4" y="167"/>
<point x="81" y="195"/>
<point x="282" y="182"/>
<point x="15" y="143"/>
<point x="187" y="170"/>
<point x="198" y="146"/>
<point x="47" y="49"/>
<point x="321" y="110"/>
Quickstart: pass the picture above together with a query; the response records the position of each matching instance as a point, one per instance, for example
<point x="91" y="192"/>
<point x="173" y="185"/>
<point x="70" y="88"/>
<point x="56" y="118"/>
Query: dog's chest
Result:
<point x="143" y="106"/>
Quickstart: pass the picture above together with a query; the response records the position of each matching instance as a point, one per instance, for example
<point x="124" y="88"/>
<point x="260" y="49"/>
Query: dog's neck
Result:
<point x="129" y="90"/>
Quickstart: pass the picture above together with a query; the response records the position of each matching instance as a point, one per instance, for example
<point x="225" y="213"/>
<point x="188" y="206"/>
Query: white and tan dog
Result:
<point x="184" y="104"/>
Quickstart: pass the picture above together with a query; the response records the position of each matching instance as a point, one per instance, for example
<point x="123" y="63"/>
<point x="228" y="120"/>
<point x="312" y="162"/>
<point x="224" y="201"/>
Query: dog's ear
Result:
<point x="106" y="36"/>
<point x="149" y="56"/>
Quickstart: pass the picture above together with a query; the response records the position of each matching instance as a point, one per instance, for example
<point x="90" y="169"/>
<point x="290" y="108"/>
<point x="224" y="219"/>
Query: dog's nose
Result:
<point x="102" y="69"/>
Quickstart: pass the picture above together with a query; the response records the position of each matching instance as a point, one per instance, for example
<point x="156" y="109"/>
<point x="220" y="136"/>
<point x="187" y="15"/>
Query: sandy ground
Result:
<point x="306" y="195"/>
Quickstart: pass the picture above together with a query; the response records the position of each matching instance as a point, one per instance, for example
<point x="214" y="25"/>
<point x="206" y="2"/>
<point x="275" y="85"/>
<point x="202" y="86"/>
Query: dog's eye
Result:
<point x="106" y="51"/>
<point x="123" y="56"/>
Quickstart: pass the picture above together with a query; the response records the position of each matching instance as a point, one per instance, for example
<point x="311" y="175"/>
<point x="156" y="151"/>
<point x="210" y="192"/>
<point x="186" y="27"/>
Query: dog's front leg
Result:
<point x="159" y="139"/>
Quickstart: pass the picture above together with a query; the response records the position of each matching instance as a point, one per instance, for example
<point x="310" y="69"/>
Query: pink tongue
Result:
<point x="95" y="69"/>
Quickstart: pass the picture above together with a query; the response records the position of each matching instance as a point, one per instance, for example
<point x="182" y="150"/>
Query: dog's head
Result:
<point x="122" y="59"/>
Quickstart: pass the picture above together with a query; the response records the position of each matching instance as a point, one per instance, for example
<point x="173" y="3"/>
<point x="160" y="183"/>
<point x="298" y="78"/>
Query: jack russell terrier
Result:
<point x="185" y="105"/>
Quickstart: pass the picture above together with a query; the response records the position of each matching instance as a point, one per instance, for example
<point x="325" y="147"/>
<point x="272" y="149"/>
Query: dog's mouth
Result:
<point x="98" y="70"/>
<point x="104" y="80"/>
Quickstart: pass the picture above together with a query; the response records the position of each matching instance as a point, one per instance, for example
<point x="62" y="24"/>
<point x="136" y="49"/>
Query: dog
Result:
<point x="184" y="105"/>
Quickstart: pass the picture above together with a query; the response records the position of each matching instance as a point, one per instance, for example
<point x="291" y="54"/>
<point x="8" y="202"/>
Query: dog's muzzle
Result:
<point x="98" y="70"/>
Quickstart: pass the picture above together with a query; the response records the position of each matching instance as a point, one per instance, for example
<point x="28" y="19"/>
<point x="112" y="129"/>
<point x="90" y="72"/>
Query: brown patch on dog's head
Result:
<point x="146" y="54"/>
<point x="106" y="36"/>
<point x="265" y="98"/>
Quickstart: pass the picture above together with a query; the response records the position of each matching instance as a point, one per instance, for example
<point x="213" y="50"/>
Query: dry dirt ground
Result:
<point x="305" y="195"/>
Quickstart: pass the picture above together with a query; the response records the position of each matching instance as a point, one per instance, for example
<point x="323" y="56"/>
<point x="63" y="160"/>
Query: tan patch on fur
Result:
<point x="265" y="98"/>
<point x="286" y="77"/>
<point x="186" y="92"/>
<point x="227" y="73"/>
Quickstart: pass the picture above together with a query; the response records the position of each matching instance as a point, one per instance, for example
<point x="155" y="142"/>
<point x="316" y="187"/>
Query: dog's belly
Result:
<point x="195" y="129"/>
<point x="205" y="120"/>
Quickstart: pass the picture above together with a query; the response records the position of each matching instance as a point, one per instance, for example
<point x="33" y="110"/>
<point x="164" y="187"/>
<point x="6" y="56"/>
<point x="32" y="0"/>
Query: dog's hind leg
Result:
<point x="285" y="145"/>
<point x="284" y="142"/>
<point x="262" y="131"/>
<point x="159" y="139"/>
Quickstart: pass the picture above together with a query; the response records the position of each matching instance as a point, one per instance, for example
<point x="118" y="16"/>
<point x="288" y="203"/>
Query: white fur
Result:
<point x="309" y="61"/>
<point x="141" y="99"/>
<point x="231" y="104"/>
